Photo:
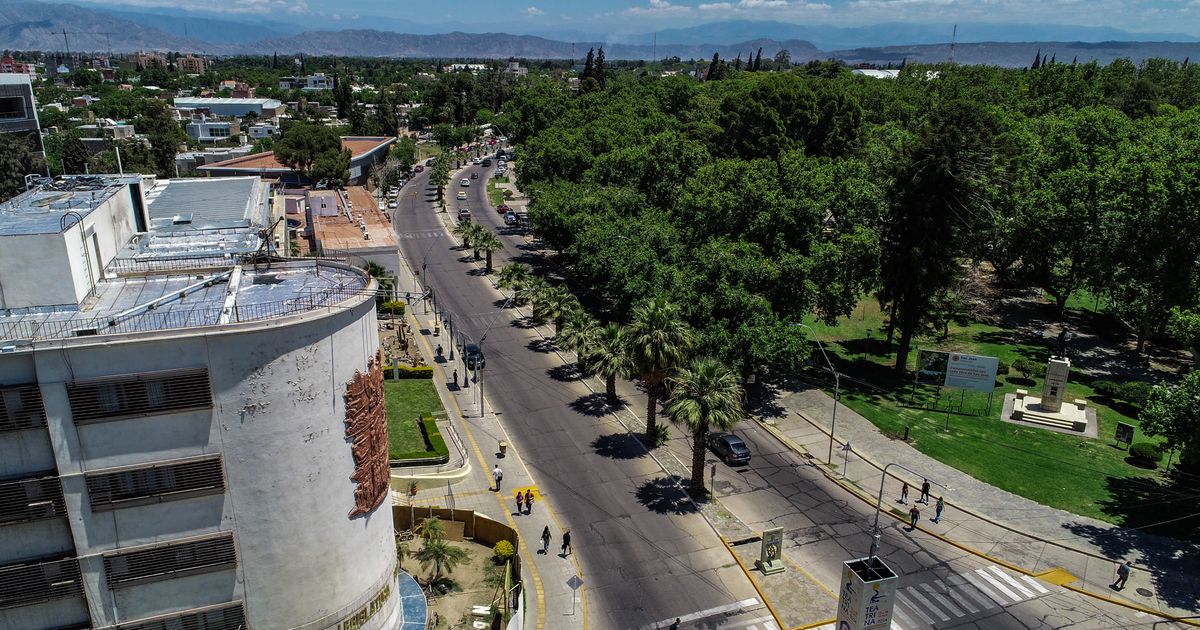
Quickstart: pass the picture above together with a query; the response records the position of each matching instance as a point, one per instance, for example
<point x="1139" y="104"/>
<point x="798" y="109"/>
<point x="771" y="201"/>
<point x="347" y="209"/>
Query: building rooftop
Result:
<point x="208" y="203"/>
<point x="52" y="207"/>
<point x="14" y="78"/>
<point x="266" y="162"/>
<point x="192" y="101"/>
<point x="173" y="300"/>
<point x="342" y="233"/>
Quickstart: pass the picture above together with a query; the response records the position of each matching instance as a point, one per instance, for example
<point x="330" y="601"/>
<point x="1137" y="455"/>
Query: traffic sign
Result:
<point x="574" y="582"/>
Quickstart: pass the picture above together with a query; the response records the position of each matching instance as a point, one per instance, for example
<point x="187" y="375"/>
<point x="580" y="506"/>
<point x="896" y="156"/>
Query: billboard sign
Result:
<point x="958" y="370"/>
<point x="868" y="594"/>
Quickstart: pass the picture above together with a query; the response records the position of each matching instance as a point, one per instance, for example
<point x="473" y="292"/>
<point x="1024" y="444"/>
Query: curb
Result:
<point x="857" y="492"/>
<point x="761" y="595"/>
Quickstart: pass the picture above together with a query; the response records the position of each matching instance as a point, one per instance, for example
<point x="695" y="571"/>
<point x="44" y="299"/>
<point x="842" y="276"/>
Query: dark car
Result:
<point x="487" y="161"/>
<point x="730" y="448"/>
<point x="475" y="175"/>
<point x="418" y="168"/>
<point x="473" y="356"/>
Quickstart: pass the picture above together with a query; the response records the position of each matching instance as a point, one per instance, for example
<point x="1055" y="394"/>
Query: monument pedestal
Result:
<point x="1075" y="417"/>
<point x="770" y="567"/>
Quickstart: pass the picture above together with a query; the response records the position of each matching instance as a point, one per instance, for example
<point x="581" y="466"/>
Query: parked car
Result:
<point x="462" y="195"/>
<point x="473" y="356"/>
<point x="502" y="208"/>
<point x="510" y="218"/>
<point x="392" y="204"/>
<point x="464" y="215"/>
<point x="431" y="161"/>
<point x="465" y="182"/>
<point x="418" y="169"/>
<point x="729" y="448"/>
<point x="475" y="160"/>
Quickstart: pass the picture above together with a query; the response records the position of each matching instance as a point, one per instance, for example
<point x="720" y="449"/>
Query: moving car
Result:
<point x="487" y="161"/>
<point x="473" y="356"/>
<point x="474" y="174"/>
<point x="510" y="218"/>
<point x="431" y="161"/>
<point x="464" y="215"/>
<point x="475" y="160"/>
<point x="465" y="182"/>
<point x="462" y="195"/>
<point x="392" y="204"/>
<point x="729" y="448"/>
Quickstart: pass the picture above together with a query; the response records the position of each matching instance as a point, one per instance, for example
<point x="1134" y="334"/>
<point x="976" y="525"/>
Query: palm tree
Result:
<point x="659" y="340"/>
<point x="608" y="356"/>
<point x="432" y="528"/>
<point x="465" y="231"/>
<point x="489" y="243"/>
<point x="381" y="277"/>
<point x="704" y="395"/>
<point x="514" y="277"/>
<point x="579" y="333"/>
<point x="554" y="303"/>
<point x="440" y="555"/>
<point x="478" y="234"/>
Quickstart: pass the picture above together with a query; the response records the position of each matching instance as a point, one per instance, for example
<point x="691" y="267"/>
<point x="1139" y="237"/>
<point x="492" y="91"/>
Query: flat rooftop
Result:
<point x="267" y="162"/>
<point x="174" y="301"/>
<point x="208" y="203"/>
<point x="193" y="101"/>
<point x="340" y="233"/>
<point x="53" y="207"/>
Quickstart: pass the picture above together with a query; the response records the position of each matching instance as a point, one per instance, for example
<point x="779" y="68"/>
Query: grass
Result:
<point x="496" y="195"/>
<point x="1080" y="475"/>
<point x="427" y="150"/>
<point x="407" y="399"/>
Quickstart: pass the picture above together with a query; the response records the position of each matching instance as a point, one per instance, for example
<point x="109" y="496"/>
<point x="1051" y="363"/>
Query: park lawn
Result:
<point x="496" y="195"/>
<point x="1080" y="475"/>
<point x="406" y="399"/>
<point x="427" y="150"/>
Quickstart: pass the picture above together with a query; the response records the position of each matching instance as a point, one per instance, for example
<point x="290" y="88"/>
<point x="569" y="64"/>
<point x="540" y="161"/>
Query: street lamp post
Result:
<point x="875" y="533"/>
<point x="482" y="338"/>
<point x="837" y="390"/>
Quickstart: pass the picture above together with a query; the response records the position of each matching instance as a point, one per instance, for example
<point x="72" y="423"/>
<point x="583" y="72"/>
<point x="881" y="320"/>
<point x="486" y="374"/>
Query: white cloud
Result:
<point x="774" y="8"/>
<point x="660" y="8"/>
<point x="532" y="11"/>
<point x="234" y="6"/>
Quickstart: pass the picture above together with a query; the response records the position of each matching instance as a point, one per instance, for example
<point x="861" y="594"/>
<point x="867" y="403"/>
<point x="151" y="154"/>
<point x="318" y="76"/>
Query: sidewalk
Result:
<point x="991" y="521"/>
<point x="548" y="598"/>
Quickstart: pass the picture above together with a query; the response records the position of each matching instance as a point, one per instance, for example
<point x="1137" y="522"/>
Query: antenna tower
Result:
<point x="953" y="38"/>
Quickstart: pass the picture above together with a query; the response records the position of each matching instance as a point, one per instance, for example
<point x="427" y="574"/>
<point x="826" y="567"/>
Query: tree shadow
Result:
<point x="564" y="373"/>
<point x="664" y="495"/>
<point x="545" y="346"/>
<point x="869" y="345"/>
<point x="1158" y="530"/>
<point x="593" y="405"/>
<point x="525" y="323"/>
<point x="619" y="446"/>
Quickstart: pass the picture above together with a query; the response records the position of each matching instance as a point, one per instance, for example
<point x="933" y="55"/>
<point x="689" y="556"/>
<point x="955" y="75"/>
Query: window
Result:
<point x="223" y="617"/>
<point x="170" y="560"/>
<point x="12" y="107"/>
<point x="100" y="400"/>
<point x="21" y="408"/>
<point x="166" y="481"/>
<point x="31" y="498"/>
<point x="39" y="581"/>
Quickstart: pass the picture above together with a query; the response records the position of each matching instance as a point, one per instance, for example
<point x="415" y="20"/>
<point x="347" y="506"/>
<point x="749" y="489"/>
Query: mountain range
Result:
<point x="41" y="26"/>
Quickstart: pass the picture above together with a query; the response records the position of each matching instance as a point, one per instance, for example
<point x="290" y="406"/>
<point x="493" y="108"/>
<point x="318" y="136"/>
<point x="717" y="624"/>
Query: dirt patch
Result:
<point x="476" y="582"/>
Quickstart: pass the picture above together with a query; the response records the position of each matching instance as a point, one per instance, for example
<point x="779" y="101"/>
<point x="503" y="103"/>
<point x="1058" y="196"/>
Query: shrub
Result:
<point x="1025" y="367"/>
<point x="1146" y="451"/>
<point x="392" y="307"/>
<point x="504" y="550"/>
<point x="433" y="436"/>
<point x="1133" y="392"/>
<point x="407" y="372"/>
<point x="1110" y="389"/>
<point x="1002" y="368"/>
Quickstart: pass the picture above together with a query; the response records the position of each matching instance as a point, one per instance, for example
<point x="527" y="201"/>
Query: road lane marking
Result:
<point x="928" y="588"/>
<point x="745" y="604"/>
<point x="900" y="597"/>
<point x="901" y="621"/>
<point x="998" y="586"/>
<point x="1015" y="584"/>
<point x="915" y="594"/>
<point x="961" y="601"/>
<point x="966" y="588"/>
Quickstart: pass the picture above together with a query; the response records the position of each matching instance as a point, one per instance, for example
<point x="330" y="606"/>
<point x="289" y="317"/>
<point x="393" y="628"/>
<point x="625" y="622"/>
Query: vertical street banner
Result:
<point x="866" y="604"/>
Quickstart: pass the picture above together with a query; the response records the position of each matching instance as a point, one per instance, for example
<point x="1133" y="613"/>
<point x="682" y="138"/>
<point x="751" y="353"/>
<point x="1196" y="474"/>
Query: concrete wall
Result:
<point x="35" y="271"/>
<point x="52" y="614"/>
<point x="277" y="420"/>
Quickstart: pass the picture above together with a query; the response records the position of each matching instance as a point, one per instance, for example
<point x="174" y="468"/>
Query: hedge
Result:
<point x="1146" y="451"/>
<point x="1132" y="392"/>
<point x="434" y="437"/>
<point x="393" y="307"/>
<point x="406" y="372"/>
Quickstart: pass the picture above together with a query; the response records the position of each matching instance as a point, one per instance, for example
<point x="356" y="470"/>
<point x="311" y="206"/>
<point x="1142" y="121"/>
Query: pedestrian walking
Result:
<point x="566" y="544"/>
<point x="937" y="514"/>
<point x="529" y="501"/>
<point x="520" y="502"/>
<point x="1122" y="575"/>
<point x="925" y="492"/>
<point x="545" y="540"/>
<point x="498" y="475"/>
<point x="455" y="381"/>
<point x="675" y="626"/>
<point x="904" y="493"/>
<point x="914" y="515"/>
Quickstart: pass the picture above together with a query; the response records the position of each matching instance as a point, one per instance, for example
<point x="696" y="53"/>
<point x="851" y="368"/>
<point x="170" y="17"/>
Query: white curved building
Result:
<point x="199" y="448"/>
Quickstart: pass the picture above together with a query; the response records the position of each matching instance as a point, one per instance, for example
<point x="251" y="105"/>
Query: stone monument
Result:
<point x="1055" y="387"/>
<point x="771" y="552"/>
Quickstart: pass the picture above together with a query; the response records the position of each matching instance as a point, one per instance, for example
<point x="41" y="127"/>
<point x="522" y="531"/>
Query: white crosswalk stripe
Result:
<point x="936" y="602"/>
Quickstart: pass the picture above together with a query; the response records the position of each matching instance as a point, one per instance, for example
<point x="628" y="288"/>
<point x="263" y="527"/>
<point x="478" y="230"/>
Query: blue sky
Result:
<point x="640" y="16"/>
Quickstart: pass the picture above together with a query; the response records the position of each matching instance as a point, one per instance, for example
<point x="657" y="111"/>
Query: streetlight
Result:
<point x="875" y="533"/>
<point x="837" y="390"/>
<point x="482" y="338"/>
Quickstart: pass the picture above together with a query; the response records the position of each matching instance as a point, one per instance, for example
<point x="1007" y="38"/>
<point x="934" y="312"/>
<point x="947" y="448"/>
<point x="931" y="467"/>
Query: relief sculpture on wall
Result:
<point x="366" y="429"/>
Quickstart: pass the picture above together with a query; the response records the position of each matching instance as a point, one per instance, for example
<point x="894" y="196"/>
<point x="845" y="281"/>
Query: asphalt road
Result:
<point x="644" y="554"/>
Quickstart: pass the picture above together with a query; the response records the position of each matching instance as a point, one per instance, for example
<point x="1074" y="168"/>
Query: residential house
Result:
<point x="8" y="65"/>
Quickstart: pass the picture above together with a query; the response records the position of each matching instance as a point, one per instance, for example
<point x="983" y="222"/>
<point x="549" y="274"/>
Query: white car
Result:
<point x="392" y="204"/>
<point x="465" y="182"/>
<point x="476" y="160"/>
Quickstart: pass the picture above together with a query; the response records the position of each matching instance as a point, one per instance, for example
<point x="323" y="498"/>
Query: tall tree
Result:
<point x="938" y="200"/>
<point x="75" y="154"/>
<point x="489" y="244"/>
<point x="313" y="149"/>
<point x="758" y="60"/>
<point x="441" y="556"/>
<point x="1173" y="413"/>
<point x="704" y="395"/>
<point x="1185" y="326"/>
<point x="659" y="341"/>
<point x="600" y="73"/>
<point x="714" y="68"/>
<point x="343" y="96"/>
<point x="16" y="161"/>
<point x="579" y="332"/>
<point x="608" y="357"/>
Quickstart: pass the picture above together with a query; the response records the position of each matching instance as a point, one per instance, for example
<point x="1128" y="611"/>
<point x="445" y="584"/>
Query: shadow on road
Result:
<point x="525" y="323"/>
<point x="564" y="373"/>
<point x="593" y="405"/>
<point x="544" y="346"/>
<point x="665" y="496"/>
<point x="619" y="446"/>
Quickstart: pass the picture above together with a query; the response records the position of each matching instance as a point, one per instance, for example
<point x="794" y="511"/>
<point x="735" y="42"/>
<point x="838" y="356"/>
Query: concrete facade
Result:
<point x="277" y="423"/>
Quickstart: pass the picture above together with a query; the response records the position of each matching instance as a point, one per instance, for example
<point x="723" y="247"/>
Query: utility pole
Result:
<point x="953" y="38"/>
